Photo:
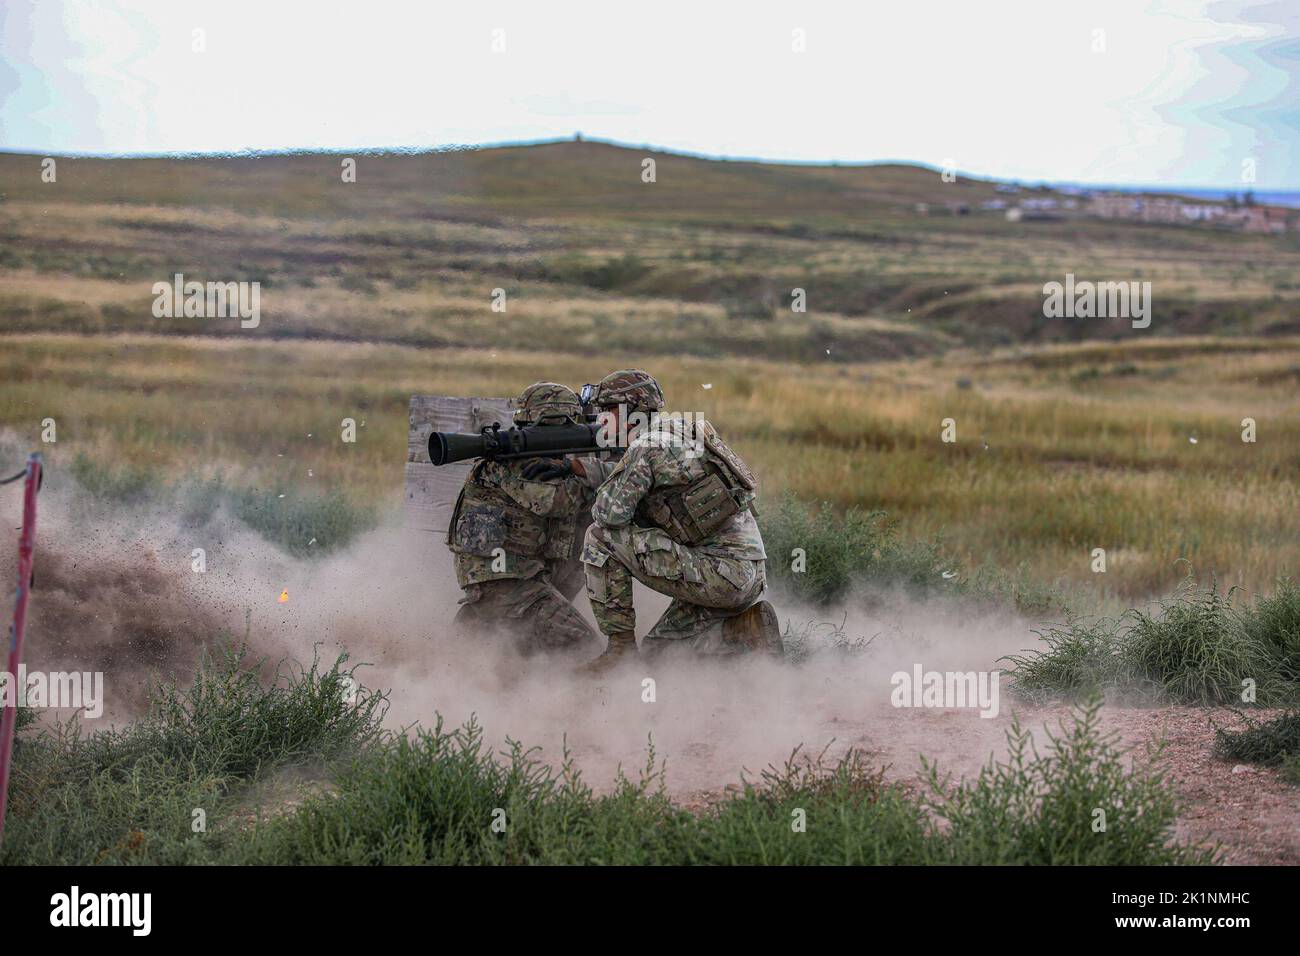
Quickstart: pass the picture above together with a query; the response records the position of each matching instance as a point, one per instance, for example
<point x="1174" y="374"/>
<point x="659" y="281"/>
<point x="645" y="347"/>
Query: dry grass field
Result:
<point x="1059" y="449"/>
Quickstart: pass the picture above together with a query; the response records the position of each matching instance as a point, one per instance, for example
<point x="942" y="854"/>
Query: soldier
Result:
<point x="675" y="513"/>
<point x="513" y="536"/>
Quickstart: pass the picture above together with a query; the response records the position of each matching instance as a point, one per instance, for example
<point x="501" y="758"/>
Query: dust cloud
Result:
<point x="116" y="592"/>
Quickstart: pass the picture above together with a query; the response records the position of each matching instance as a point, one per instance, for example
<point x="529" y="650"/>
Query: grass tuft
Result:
<point x="136" y="795"/>
<point x="1078" y="802"/>
<point x="1196" y="648"/>
<point x="1272" y="743"/>
<point x="820" y="555"/>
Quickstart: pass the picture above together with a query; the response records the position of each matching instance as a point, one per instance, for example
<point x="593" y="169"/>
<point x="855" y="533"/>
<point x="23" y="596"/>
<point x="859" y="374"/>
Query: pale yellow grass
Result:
<point x="1046" y="467"/>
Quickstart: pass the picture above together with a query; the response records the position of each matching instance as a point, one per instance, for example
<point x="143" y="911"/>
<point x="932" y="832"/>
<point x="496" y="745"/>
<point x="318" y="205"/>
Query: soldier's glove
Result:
<point x="547" y="469"/>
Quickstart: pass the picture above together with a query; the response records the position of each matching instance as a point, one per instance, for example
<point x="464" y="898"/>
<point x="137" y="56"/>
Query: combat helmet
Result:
<point x="546" y="399"/>
<point x="631" y="387"/>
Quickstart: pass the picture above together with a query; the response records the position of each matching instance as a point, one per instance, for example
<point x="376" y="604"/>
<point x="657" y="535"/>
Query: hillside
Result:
<point x="702" y="261"/>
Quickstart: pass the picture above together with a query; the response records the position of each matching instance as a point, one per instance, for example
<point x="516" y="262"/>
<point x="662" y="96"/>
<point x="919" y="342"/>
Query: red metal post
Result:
<point x="26" y="554"/>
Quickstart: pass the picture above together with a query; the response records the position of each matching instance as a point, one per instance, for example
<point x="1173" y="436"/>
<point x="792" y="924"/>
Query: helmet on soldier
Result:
<point x="631" y="387"/>
<point x="546" y="399"/>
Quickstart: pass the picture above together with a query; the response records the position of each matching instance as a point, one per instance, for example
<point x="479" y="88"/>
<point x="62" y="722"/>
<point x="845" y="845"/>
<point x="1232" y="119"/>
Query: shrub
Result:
<point x="1196" y="648"/>
<point x="1078" y="802"/>
<point x="1081" y="660"/>
<point x="1274" y="622"/>
<point x="121" y="796"/>
<point x="841" y="551"/>
<point x="433" y="799"/>
<point x="301" y="526"/>
<point x="1271" y="743"/>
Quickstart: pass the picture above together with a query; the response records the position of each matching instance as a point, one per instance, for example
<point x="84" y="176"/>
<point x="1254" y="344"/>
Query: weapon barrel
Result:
<point x="528" y="441"/>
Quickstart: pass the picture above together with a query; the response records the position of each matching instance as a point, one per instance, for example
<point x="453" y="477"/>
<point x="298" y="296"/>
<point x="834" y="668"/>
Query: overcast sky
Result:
<point x="1178" y="93"/>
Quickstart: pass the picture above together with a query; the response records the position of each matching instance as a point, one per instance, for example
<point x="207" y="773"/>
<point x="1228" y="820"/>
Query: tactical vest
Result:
<point x="692" y="513"/>
<point x="486" y="518"/>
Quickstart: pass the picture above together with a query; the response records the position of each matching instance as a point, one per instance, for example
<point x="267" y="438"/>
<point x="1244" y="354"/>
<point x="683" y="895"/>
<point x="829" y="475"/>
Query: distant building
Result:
<point x="1260" y="219"/>
<point x="1112" y="206"/>
<point x="1162" y="209"/>
<point x="1034" y="210"/>
<point x="1203" y="212"/>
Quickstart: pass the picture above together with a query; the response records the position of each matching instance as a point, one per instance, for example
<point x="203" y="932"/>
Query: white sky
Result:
<point x="1184" y="91"/>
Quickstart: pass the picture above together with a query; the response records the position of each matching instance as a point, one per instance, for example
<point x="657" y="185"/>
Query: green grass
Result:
<point x="1081" y="658"/>
<point x="823" y="556"/>
<point x="124" y="796"/>
<point x="1272" y="743"/>
<point x="129" y="484"/>
<point x="1274" y="622"/>
<point x="296" y="770"/>
<point x="1078" y="801"/>
<point x="820" y="555"/>
<point x="1198" y="647"/>
<point x="302" y="525"/>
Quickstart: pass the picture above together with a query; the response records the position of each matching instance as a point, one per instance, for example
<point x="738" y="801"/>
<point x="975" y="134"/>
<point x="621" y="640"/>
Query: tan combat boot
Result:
<point x="755" y="629"/>
<point x="622" y="644"/>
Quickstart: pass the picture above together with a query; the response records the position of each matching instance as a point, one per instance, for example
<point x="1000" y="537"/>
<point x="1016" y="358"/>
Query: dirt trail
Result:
<point x="117" y="593"/>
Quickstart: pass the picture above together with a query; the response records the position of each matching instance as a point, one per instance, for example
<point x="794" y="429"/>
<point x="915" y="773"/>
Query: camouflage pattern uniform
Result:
<point x="515" y="542"/>
<point x="674" y="513"/>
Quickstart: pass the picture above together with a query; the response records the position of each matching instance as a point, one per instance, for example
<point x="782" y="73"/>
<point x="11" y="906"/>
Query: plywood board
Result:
<point x="431" y="490"/>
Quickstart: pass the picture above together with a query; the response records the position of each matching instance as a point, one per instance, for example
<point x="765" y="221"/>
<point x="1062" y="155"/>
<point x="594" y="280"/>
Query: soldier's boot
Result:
<point x="755" y="629"/>
<point x="622" y="645"/>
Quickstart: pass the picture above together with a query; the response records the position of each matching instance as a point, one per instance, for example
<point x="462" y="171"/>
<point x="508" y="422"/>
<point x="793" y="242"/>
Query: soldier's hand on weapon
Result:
<point x="547" y="469"/>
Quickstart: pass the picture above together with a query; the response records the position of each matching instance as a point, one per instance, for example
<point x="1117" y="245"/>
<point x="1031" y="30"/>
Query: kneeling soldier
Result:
<point x="675" y="514"/>
<point x="513" y="535"/>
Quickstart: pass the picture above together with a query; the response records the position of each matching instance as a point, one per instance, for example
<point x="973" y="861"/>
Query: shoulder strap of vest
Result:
<point x="726" y="456"/>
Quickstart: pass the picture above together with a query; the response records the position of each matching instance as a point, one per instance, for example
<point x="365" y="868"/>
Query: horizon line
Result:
<point x="251" y="153"/>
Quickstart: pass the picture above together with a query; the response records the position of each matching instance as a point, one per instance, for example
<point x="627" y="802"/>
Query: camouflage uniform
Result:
<point x="675" y="515"/>
<point x="515" y="542"/>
